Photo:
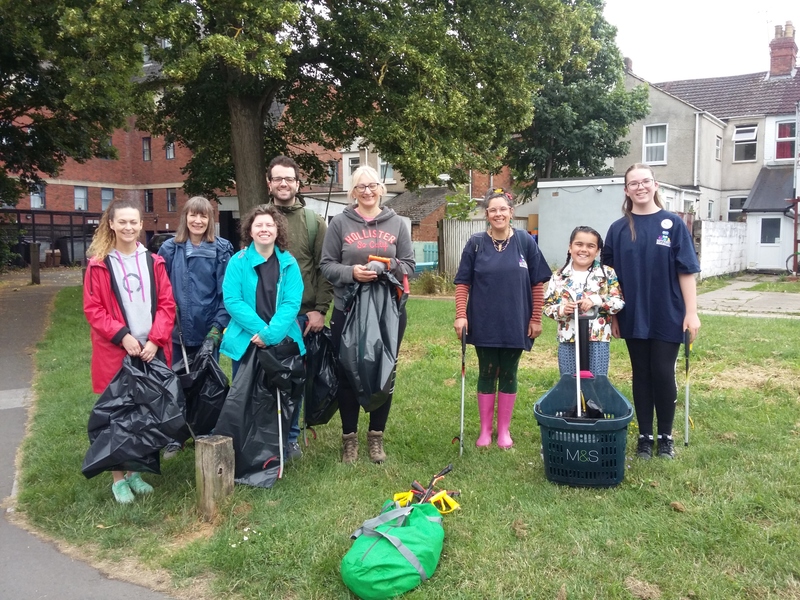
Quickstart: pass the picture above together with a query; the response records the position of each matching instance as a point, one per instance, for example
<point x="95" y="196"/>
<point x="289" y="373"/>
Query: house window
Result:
<point x="735" y="205"/>
<point x="81" y="194"/>
<point x="353" y="163"/>
<point x="172" y="200"/>
<point x="333" y="172"/>
<point x="385" y="170"/>
<point x="770" y="231"/>
<point x="37" y="197"/>
<point x="718" y="148"/>
<point x="710" y="209"/>
<point x="146" y="156"/>
<point x="148" y="201"/>
<point x="655" y="144"/>
<point x="170" y="150"/>
<point x="106" y="196"/>
<point x="784" y="142"/>
<point x="745" y="143"/>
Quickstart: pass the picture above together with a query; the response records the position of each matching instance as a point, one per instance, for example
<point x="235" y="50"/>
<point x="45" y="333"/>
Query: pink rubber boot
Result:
<point x="505" y="408"/>
<point x="486" y="412"/>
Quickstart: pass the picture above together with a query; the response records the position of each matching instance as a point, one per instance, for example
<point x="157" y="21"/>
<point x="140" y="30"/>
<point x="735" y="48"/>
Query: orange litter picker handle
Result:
<point x="387" y="261"/>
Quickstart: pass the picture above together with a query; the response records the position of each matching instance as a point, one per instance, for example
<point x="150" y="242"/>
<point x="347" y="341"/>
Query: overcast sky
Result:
<point x="692" y="39"/>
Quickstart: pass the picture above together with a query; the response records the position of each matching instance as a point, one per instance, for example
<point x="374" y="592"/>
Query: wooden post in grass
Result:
<point x="213" y="467"/>
<point x="34" y="250"/>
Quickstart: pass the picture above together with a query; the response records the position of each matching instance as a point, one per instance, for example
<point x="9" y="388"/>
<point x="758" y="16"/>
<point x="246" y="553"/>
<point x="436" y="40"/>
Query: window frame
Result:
<point x="742" y="139"/>
<point x="737" y="211"/>
<point x="147" y="149"/>
<point x="148" y="201"/>
<point x="41" y="194"/>
<point x="103" y="203"/>
<point x="653" y="145"/>
<point x="75" y="197"/>
<point x="383" y="165"/>
<point x="169" y="150"/>
<point x="172" y="200"/>
<point x="773" y="221"/>
<point x="790" y="140"/>
<point x="718" y="147"/>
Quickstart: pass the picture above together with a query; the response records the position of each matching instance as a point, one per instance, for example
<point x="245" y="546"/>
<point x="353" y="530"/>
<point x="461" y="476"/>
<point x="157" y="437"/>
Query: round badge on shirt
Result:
<point x="666" y="223"/>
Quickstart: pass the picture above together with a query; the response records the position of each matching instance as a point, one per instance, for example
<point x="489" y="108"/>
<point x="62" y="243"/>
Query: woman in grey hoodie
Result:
<point x="362" y="230"/>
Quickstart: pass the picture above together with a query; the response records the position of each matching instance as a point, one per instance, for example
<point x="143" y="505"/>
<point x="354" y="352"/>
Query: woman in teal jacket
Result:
<point x="263" y="287"/>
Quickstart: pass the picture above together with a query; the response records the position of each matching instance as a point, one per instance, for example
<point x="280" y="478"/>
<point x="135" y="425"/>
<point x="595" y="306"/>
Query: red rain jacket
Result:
<point x="102" y="308"/>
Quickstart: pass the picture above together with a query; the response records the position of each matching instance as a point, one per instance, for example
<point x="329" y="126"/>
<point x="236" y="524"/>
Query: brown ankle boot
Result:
<point x="349" y="448"/>
<point x="375" y="442"/>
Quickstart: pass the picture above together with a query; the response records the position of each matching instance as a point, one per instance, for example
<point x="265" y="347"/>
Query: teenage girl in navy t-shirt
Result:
<point x="653" y="254"/>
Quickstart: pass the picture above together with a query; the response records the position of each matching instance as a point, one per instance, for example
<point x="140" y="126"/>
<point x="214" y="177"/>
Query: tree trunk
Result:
<point x="247" y="151"/>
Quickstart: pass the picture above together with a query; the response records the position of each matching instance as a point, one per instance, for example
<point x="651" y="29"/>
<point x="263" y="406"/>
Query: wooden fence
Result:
<point x="453" y="235"/>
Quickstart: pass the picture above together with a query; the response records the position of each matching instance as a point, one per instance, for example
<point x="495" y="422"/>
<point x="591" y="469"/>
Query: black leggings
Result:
<point x="654" y="385"/>
<point x="348" y="401"/>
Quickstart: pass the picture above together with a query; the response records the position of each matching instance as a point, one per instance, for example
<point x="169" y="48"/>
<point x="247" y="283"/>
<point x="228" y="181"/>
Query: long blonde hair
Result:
<point x="104" y="238"/>
<point x="199" y="206"/>
<point x="627" y="205"/>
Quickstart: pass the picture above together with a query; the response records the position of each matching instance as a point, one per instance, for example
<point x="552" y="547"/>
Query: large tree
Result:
<point x="436" y="85"/>
<point x="582" y="112"/>
<point x="66" y="80"/>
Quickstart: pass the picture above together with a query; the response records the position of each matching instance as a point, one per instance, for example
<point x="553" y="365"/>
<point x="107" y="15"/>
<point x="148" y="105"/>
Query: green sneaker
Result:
<point x="122" y="492"/>
<point x="138" y="485"/>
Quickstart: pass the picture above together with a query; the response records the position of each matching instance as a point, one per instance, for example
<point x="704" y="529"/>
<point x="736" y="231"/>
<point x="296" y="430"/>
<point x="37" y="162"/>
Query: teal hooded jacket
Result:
<point x="239" y="294"/>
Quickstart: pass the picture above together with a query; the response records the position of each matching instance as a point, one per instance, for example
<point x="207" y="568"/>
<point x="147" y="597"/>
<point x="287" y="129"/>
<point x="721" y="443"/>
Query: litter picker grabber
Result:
<point x="460" y="437"/>
<point x="280" y="431"/>
<point x="578" y="358"/>
<point x="687" y="348"/>
<point x="185" y="357"/>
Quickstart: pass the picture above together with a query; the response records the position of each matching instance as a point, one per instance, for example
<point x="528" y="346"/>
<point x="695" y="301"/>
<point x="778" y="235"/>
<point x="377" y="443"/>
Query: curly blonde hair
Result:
<point x="104" y="238"/>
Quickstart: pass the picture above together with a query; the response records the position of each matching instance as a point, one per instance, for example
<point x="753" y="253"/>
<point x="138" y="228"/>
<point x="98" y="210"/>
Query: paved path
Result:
<point x="29" y="567"/>
<point x="735" y="300"/>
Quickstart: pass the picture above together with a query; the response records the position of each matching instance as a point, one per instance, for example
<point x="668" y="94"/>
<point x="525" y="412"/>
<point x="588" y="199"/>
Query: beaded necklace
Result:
<point x="500" y="245"/>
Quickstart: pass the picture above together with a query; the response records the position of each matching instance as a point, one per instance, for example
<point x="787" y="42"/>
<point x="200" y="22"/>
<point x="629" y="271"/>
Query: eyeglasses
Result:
<point x="498" y="209"/>
<point x="361" y="187"/>
<point x="635" y="185"/>
<point x="278" y="180"/>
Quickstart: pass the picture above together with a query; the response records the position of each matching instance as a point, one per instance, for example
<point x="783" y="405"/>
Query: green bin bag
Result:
<point x="394" y="552"/>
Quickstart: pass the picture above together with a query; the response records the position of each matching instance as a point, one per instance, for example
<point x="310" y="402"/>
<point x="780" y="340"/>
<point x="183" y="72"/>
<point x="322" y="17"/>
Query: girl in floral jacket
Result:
<point x="583" y="282"/>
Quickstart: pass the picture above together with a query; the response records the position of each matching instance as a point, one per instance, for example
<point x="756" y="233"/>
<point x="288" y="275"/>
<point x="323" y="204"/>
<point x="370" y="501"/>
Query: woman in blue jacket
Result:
<point x="263" y="287"/>
<point x="196" y="259"/>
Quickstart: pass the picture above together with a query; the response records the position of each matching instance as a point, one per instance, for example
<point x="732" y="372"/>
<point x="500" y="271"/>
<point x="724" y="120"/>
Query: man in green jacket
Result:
<point x="305" y="244"/>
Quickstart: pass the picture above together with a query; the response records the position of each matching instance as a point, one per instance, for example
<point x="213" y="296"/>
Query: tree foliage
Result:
<point x="582" y="111"/>
<point x="437" y="86"/>
<point x="66" y="80"/>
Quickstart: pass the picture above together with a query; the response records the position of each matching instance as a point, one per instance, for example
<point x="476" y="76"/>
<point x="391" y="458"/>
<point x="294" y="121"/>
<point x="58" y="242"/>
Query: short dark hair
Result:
<point x="284" y="161"/>
<point x="281" y="240"/>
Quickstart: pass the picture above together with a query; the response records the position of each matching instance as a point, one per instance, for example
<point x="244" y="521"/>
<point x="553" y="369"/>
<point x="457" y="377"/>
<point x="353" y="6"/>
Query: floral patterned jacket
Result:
<point x="601" y="285"/>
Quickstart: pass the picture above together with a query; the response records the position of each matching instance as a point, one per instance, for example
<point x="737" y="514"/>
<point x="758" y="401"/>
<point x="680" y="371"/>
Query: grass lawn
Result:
<point x="721" y="521"/>
<point x="786" y="286"/>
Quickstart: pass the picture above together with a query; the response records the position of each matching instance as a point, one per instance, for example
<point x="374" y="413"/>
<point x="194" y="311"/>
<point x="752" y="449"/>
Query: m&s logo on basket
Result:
<point x="583" y="456"/>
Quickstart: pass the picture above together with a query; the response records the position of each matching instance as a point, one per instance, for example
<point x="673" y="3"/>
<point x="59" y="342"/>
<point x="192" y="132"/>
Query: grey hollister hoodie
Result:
<point x="351" y="239"/>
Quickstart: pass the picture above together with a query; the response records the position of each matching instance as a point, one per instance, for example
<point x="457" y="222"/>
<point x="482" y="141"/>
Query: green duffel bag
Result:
<point x="394" y="552"/>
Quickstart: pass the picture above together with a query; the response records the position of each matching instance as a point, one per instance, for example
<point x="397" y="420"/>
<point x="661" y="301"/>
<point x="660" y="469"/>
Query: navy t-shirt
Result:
<point x="500" y="305"/>
<point x="648" y="270"/>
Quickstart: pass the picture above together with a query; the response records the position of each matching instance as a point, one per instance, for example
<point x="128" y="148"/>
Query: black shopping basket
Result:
<point x="584" y="452"/>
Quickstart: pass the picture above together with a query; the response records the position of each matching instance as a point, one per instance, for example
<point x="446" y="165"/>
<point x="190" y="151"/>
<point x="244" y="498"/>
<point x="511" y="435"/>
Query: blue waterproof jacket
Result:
<point x="239" y="290"/>
<point x="197" y="285"/>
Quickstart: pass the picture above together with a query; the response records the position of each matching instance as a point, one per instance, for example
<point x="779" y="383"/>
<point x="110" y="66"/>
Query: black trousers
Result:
<point x="348" y="402"/>
<point x="654" y="386"/>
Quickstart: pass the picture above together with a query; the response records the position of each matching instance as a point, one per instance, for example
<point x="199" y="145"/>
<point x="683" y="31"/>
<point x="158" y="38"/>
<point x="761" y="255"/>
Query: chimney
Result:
<point x="628" y="65"/>
<point x="782" y="51"/>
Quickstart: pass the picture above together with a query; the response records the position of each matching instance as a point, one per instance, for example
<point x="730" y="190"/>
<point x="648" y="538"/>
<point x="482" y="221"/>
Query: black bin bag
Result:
<point x="205" y="388"/>
<point x="250" y="413"/>
<point x="370" y="338"/>
<point x="140" y="412"/>
<point x="322" y="382"/>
